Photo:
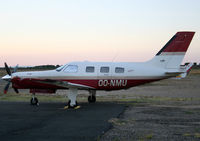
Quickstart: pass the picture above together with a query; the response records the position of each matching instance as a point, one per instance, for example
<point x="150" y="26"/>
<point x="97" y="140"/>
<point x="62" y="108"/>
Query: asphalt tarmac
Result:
<point x="20" y="121"/>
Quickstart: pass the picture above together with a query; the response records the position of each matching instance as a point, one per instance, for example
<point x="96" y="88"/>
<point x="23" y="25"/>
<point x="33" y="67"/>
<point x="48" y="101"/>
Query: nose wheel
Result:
<point x="34" y="100"/>
<point x="72" y="103"/>
<point x="72" y="106"/>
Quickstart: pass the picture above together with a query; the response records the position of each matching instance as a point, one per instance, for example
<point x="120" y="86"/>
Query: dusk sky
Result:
<point x="60" y="31"/>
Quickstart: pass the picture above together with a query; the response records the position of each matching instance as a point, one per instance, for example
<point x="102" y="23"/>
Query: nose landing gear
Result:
<point x="34" y="100"/>
<point x="72" y="103"/>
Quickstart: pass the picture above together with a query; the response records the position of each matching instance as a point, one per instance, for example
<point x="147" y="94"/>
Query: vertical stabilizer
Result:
<point x="172" y="54"/>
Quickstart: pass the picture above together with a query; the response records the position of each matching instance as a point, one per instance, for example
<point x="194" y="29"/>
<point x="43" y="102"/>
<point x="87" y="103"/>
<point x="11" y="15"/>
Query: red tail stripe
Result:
<point x="178" y="43"/>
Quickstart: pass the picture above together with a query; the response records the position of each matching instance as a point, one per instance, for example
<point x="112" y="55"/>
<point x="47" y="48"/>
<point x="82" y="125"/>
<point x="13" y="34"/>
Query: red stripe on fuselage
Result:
<point x="98" y="84"/>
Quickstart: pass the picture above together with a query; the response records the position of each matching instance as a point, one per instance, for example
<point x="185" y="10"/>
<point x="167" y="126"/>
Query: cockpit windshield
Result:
<point x="71" y="69"/>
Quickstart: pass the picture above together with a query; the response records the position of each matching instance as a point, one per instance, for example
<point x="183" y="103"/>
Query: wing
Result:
<point x="64" y="84"/>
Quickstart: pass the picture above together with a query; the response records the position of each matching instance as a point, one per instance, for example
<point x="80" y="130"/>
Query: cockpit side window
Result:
<point x="71" y="69"/>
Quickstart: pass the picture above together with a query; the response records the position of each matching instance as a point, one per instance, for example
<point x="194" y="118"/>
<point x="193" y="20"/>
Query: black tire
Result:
<point x="70" y="105"/>
<point x="34" y="101"/>
<point x="91" y="99"/>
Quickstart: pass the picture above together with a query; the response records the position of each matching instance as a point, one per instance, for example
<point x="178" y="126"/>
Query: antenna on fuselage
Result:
<point x="116" y="55"/>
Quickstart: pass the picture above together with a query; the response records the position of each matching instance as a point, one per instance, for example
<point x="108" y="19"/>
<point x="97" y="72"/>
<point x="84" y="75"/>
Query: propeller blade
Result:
<point x="6" y="87"/>
<point x="16" y="90"/>
<point x="15" y="69"/>
<point x="7" y="69"/>
<point x="8" y="78"/>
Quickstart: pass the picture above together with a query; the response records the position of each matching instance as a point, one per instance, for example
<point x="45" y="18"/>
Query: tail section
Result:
<point x="172" y="54"/>
<point x="185" y="71"/>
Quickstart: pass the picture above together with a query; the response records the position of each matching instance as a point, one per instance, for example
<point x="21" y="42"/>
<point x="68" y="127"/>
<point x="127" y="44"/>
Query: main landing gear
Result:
<point x="92" y="96"/>
<point x="34" y="100"/>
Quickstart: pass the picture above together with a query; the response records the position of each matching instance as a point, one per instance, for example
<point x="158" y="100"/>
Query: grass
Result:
<point x="83" y="98"/>
<point x="152" y="99"/>
<point x="21" y="97"/>
<point x="117" y="121"/>
<point x="195" y="72"/>
<point x="26" y="98"/>
<point x="187" y="135"/>
<point x="195" y="135"/>
<point x="149" y="136"/>
<point x="146" y="137"/>
<point x="189" y="112"/>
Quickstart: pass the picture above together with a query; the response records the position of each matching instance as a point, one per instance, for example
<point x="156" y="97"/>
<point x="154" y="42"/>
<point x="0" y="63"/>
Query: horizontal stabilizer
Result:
<point x="185" y="71"/>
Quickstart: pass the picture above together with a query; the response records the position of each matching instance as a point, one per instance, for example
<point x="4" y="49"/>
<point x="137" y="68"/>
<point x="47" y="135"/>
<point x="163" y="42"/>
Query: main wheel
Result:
<point x="91" y="99"/>
<point x="34" y="101"/>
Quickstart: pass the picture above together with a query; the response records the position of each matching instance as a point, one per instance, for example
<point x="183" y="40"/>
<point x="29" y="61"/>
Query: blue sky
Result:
<point x="56" y="32"/>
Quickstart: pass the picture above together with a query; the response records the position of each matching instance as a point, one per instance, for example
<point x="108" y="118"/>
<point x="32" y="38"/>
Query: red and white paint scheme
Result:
<point x="107" y="76"/>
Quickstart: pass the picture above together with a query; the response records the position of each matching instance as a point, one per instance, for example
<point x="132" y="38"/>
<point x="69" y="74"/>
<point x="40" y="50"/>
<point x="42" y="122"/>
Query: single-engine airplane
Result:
<point x="93" y="76"/>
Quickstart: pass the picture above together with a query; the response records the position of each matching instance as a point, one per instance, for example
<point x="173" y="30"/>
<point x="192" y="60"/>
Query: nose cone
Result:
<point x="6" y="77"/>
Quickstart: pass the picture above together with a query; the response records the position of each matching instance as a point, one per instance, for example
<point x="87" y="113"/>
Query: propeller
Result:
<point x="7" y="69"/>
<point x="9" y="77"/>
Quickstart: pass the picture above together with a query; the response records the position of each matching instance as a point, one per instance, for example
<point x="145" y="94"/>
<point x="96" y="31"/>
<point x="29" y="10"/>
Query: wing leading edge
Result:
<point x="64" y="84"/>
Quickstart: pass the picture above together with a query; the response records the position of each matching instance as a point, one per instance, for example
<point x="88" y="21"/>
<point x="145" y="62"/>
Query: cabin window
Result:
<point x="104" y="70"/>
<point x="90" y="69"/>
<point x="71" y="69"/>
<point x="119" y="70"/>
